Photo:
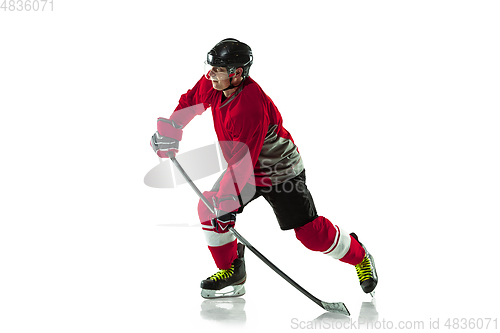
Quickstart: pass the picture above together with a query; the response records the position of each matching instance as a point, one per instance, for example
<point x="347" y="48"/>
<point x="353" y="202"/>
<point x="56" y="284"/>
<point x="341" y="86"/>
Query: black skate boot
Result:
<point x="233" y="279"/>
<point x="367" y="273"/>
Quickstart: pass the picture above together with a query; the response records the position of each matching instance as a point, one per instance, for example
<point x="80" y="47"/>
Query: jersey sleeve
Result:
<point x="194" y="102"/>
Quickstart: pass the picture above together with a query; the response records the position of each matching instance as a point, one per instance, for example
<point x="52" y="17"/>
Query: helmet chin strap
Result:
<point x="231" y="86"/>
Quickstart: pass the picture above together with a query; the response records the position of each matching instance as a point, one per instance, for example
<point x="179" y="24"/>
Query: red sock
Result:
<point x="224" y="255"/>
<point x="355" y="254"/>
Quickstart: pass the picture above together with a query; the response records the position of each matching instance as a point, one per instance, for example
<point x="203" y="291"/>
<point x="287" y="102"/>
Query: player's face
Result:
<point x="220" y="78"/>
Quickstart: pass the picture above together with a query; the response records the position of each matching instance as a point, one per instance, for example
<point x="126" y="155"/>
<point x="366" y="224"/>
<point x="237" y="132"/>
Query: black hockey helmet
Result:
<point x="232" y="54"/>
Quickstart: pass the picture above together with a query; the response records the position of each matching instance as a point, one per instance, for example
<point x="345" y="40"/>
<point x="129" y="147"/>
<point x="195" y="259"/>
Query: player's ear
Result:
<point x="239" y="72"/>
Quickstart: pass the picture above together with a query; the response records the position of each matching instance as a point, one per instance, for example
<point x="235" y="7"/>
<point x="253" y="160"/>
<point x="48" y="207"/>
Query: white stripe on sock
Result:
<point x="215" y="239"/>
<point x="341" y="244"/>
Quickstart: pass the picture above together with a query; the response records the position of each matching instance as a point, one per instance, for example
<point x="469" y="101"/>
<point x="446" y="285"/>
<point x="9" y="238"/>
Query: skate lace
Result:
<point x="222" y="274"/>
<point x="364" y="270"/>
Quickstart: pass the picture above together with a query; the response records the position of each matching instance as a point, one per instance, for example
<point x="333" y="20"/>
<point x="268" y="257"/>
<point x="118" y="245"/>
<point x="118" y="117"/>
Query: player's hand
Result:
<point x="167" y="137"/>
<point x="225" y="213"/>
<point x="163" y="145"/>
<point x="222" y="223"/>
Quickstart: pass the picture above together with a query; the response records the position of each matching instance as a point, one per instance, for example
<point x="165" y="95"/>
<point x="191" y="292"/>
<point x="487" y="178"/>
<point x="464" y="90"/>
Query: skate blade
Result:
<point x="230" y="291"/>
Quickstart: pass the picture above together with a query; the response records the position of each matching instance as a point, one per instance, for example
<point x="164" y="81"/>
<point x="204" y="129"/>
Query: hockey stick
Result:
<point x="336" y="307"/>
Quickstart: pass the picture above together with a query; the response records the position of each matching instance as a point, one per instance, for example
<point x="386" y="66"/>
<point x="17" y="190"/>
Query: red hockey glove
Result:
<point x="222" y="223"/>
<point x="224" y="219"/>
<point x="162" y="145"/>
<point x="167" y="138"/>
<point x="168" y="128"/>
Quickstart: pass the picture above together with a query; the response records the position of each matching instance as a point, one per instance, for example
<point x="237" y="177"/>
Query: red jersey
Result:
<point x="247" y="123"/>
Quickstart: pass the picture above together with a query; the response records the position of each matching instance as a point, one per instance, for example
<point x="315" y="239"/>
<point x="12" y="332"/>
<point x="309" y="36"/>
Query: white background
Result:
<point x="394" y="107"/>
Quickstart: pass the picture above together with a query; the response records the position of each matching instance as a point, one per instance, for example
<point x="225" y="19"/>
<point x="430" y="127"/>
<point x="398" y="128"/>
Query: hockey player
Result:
<point x="263" y="160"/>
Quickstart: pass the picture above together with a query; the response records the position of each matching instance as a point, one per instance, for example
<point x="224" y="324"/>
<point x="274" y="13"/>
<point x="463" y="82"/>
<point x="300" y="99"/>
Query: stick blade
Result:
<point x="336" y="307"/>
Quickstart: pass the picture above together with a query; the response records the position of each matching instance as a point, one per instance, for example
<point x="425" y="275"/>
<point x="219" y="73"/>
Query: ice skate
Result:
<point x="367" y="273"/>
<point x="227" y="282"/>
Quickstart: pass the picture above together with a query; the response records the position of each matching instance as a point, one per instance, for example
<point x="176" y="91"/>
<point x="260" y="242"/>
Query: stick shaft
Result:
<point x="275" y="268"/>
<point x="244" y="241"/>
